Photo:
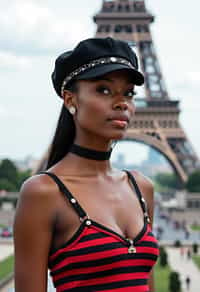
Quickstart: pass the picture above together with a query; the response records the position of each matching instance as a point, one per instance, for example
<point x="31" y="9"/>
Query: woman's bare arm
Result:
<point x="32" y="236"/>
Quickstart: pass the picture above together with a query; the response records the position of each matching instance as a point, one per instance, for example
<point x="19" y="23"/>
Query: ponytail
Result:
<point x="64" y="135"/>
<point x="63" y="138"/>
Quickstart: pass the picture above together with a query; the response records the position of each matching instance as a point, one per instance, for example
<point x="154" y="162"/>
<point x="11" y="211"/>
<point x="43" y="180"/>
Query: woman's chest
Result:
<point x="117" y="208"/>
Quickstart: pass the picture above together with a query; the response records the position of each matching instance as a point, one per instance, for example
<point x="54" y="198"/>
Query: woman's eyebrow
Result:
<point x="104" y="79"/>
<point x="109" y="80"/>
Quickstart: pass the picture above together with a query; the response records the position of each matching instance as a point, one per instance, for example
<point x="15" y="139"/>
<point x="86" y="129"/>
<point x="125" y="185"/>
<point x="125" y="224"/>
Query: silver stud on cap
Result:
<point x="73" y="201"/>
<point x="113" y="59"/>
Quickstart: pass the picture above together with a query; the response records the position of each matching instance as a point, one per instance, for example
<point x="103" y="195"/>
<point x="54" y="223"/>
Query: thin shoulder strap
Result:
<point x="63" y="189"/>
<point x="139" y="195"/>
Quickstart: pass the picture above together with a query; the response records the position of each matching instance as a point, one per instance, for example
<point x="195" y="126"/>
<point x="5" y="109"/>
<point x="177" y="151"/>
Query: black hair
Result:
<point x="64" y="134"/>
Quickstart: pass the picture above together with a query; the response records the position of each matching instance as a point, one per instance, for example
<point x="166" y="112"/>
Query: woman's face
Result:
<point x="105" y="106"/>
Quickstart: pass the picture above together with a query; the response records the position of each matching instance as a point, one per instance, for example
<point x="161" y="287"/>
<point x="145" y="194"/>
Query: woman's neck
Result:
<point x="82" y="166"/>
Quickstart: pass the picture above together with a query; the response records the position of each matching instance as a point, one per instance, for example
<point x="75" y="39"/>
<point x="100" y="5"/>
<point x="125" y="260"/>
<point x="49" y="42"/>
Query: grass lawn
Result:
<point x="196" y="259"/>
<point x="6" y="267"/>
<point x="195" y="227"/>
<point x="161" y="276"/>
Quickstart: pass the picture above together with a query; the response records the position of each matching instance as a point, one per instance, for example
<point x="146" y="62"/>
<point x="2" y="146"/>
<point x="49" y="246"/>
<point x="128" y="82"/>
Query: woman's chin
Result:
<point x="118" y="136"/>
<point x="113" y="135"/>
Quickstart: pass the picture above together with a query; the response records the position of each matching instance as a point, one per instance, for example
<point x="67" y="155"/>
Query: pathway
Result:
<point x="8" y="287"/>
<point x="185" y="267"/>
<point x="6" y="250"/>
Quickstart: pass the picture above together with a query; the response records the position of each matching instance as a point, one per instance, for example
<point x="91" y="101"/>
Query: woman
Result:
<point x="86" y="221"/>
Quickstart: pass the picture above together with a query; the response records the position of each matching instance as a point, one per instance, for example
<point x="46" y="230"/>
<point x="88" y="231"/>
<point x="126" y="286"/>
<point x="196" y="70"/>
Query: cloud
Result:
<point x="9" y="61"/>
<point x="3" y="112"/>
<point x="194" y="77"/>
<point x="32" y="28"/>
<point x="10" y="113"/>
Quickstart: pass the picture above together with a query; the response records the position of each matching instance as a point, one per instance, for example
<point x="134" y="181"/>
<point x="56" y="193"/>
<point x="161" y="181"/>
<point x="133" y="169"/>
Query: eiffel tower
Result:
<point x="156" y="121"/>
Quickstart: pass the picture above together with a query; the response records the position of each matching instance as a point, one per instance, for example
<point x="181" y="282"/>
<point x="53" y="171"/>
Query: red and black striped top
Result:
<point x="97" y="258"/>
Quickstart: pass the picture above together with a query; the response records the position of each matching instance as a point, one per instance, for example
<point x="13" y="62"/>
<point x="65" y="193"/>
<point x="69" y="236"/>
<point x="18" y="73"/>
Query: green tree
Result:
<point x="193" y="183"/>
<point x="22" y="176"/>
<point x="195" y="248"/>
<point x="8" y="171"/>
<point x="7" y="185"/>
<point x="167" y="180"/>
<point x="174" y="282"/>
<point x="177" y="243"/>
<point x="163" y="257"/>
<point x="11" y="178"/>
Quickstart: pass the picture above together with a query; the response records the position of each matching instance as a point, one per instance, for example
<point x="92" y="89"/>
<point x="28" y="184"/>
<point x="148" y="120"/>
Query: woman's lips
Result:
<point x="119" y="120"/>
<point x="120" y="123"/>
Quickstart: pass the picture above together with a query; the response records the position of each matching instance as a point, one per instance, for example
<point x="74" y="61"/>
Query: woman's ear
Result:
<point x="69" y="98"/>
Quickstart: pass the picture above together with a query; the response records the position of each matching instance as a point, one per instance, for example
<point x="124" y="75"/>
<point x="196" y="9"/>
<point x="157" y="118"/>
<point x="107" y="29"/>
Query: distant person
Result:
<point x="159" y="232"/>
<point x="89" y="223"/>
<point x="188" y="282"/>
<point x="187" y="234"/>
<point x="189" y="254"/>
<point x="182" y="251"/>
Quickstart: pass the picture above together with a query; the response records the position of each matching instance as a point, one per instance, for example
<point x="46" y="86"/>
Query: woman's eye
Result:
<point x="103" y="90"/>
<point x="130" y="93"/>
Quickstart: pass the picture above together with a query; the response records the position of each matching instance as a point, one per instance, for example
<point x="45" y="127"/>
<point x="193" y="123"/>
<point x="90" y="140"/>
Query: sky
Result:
<point x="35" y="32"/>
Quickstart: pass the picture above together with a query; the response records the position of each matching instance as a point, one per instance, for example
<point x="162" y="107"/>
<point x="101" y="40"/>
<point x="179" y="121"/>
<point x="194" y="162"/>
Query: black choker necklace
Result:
<point x="90" y="153"/>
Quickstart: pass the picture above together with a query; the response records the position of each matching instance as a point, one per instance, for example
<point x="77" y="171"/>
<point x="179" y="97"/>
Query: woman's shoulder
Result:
<point x="38" y="197"/>
<point x="39" y="185"/>
<point x="144" y="182"/>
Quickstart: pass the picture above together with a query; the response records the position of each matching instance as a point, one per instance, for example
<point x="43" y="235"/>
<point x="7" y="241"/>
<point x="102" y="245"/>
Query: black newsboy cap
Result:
<point x="92" y="58"/>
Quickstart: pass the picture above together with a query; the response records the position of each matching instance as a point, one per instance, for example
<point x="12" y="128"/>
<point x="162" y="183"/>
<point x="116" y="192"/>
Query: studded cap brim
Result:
<point x="137" y="77"/>
<point x="102" y="66"/>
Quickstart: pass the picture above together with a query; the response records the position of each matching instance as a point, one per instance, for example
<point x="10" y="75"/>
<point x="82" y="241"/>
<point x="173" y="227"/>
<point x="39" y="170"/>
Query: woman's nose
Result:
<point x="121" y="105"/>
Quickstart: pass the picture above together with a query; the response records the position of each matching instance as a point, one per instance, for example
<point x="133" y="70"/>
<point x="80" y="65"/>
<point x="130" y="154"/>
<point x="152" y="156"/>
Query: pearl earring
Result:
<point x="72" y="110"/>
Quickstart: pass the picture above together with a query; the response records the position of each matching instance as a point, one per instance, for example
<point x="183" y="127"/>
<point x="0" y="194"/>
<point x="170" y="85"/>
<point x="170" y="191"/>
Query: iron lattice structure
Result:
<point x="156" y="121"/>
